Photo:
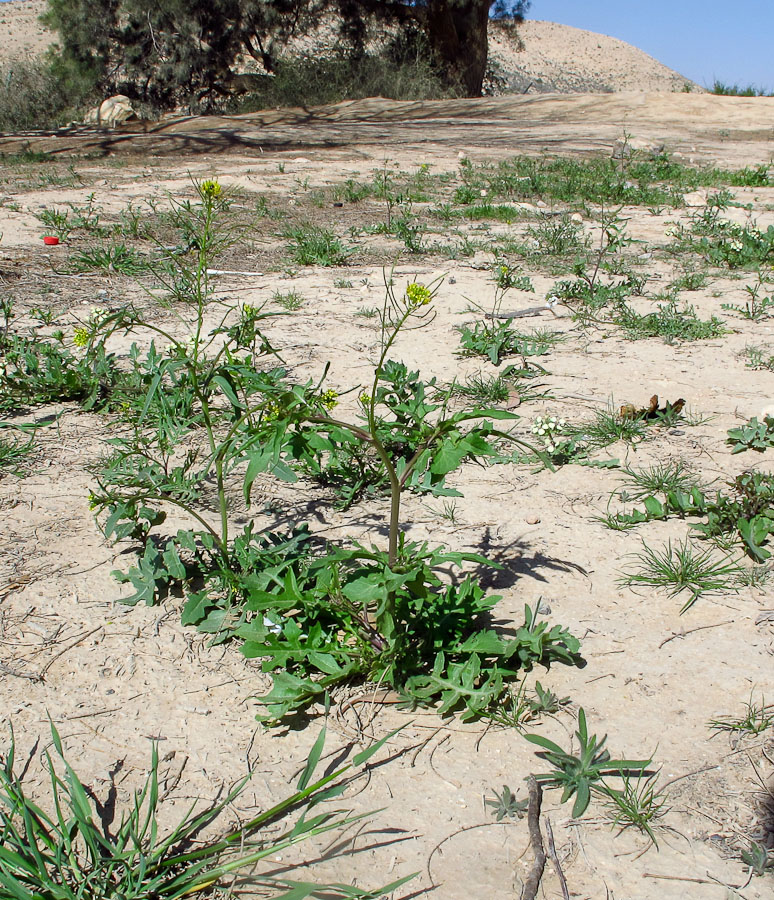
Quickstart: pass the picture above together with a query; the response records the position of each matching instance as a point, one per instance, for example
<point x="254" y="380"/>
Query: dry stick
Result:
<point x="555" y="859"/>
<point x="681" y="634"/>
<point x="532" y="882"/>
<point x="7" y="670"/>
<point x="64" y="650"/>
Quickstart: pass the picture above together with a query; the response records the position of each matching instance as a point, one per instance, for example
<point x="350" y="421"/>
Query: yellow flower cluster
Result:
<point x="211" y="190"/>
<point x="81" y="337"/>
<point x="418" y="295"/>
<point x="329" y="399"/>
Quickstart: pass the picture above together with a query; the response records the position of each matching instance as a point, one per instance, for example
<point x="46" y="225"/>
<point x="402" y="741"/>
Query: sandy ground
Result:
<point x="112" y="678"/>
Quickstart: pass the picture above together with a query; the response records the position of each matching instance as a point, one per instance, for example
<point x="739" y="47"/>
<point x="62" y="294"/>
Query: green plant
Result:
<point x="313" y="245"/>
<point x="669" y="323"/>
<point x="577" y="775"/>
<point x="315" y="614"/>
<point x="680" y="567"/>
<point x="734" y="90"/>
<point x="759" y="358"/>
<point x="757" y="718"/>
<point x="637" y="804"/>
<point x="725" y="243"/>
<point x="44" y="316"/>
<point x="289" y="300"/>
<point x="112" y="258"/>
<point x="57" y="222"/>
<point x="506" y="805"/>
<point x="509" y="277"/>
<point x="746" y="513"/>
<point x="758" y="858"/>
<point x="12" y="452"/>
<point x="754" y="435"/>
<point x="607" y="427"/>
<point x="756" y="308"/>
<point x="35" y="371"/>
<point x="556" y="236"/>
<point x="493" y="337"/>
<point x="505" y="387"/>
<point x="660" y="478"/>
<point x="71" y="853"/>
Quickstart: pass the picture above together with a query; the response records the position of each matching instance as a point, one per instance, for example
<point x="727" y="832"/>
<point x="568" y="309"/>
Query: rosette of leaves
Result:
<point x="753" y="435"/>
<point x="355" y="616"/>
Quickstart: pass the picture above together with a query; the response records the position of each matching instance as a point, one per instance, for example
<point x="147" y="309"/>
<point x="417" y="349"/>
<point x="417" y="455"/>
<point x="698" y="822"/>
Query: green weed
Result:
<point x="756" y="718"/>
<point x="313" y="245"/>
<point x="67" y="855"/>
<point x="754" y="435"/>
<point x="116" y="258"/>
<point x="288" y="300"/>
<point x="637" y="804"/>
<point x="577" y="775"/>
<point x="680" y="567"/>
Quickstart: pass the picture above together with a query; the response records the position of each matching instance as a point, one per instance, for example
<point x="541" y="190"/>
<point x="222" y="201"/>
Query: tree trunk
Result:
<point x="457" y="30"/>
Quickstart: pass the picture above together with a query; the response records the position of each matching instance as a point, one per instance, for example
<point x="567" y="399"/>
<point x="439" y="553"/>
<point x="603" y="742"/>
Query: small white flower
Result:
<point x="272" y="626"/>
<point x="484" y="192"/>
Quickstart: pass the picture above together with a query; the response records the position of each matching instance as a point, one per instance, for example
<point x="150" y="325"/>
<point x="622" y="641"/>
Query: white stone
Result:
<point x="111" y="112"/>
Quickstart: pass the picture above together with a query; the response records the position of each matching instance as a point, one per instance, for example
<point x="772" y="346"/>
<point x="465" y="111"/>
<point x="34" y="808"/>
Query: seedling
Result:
<point x="637" y="804"/>
<point x="312" y="245"/>
<point x="577" y="775"/>
<point x="758" y="858"/>
<point x="757" y="718"/>
<point x="506" y="805"/>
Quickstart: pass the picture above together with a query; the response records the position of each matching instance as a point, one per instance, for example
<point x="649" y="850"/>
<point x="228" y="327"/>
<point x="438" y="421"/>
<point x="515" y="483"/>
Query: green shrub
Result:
<point x="31" y="96"/>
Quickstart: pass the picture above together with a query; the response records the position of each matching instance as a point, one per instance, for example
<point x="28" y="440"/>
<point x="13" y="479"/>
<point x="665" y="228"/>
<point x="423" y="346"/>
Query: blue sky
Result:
<point x="729" y="41"/>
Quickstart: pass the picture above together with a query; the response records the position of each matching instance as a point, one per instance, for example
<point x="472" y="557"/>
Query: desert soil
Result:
<point x="113" y="678"/>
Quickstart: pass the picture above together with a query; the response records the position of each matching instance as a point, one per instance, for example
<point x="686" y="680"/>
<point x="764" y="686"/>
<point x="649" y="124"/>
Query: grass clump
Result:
<point x="755" y="719"/>
<point x="313" y="245"/>
<point x="669" y="322"/>
<point x="67" y="855"/>
<point x="680" y="567"/>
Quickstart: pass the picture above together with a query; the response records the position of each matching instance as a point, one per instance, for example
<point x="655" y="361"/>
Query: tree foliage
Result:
<point x="176" y="51"/>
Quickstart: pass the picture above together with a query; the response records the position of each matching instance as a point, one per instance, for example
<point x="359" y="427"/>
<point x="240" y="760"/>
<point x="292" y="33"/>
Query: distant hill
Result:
<point x="544" y="57"/>
<point x="567" y="60"/>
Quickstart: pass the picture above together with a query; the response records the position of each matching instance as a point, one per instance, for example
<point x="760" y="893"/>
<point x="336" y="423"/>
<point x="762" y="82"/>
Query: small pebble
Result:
<point x="543" y="608"/>
<point x="532" y="520"/>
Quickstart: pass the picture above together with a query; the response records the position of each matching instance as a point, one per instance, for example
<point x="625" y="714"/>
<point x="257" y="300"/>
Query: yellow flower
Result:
<point x="365" y="399"/>
<point x="329" y="399"/>
<point x="81" y="337"/>
<point x="211" y="189"/>
<point x="418" y="295"/>
<point x="271" y="411"/>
